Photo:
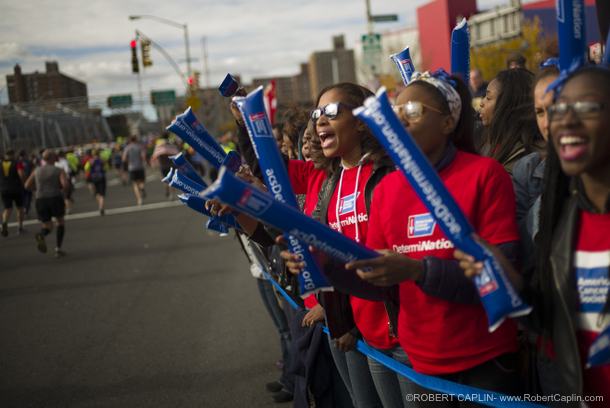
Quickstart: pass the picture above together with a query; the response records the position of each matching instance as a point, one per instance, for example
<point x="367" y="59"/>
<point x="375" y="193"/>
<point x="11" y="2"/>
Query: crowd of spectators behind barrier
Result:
<point x="529" y="168"/>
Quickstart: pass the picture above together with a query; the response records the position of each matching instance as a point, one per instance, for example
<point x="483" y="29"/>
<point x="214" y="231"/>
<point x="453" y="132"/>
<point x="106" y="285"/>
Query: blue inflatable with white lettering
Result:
<point x="219" y="224"/>
<point x="606" y="58"/>
<point x="571" y="31"/>
<point x="185" y="168"/>
<point x="189" y="129"/>
<point x="599" y="352"/>
<point x="499" y="297"/>
<point x="460" y="51"/>
<point x="405" y="64"/>
<point x="229" y="86"/>
<point x="277" y="180"/>
<point x="237" y="193"/>
<point x="176" y="179"/>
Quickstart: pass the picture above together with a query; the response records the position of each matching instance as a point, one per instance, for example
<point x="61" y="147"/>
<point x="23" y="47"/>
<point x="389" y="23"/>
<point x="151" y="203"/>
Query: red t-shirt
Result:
<point x="305" y="179"/>
<point x="591" y="260"/>
<point x="310" y="301"/>
<point x="443" y="337"/>
<point x="370" y="317"/>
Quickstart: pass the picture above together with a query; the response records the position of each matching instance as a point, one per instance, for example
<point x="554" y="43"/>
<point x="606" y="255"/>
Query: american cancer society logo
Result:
<point x="486" y="282"/>
<point x="421" y="225"/>
<point x="347" y="204"/>
<point x="259" y="125"/>
<point x="197" y="126"/>
<point x="254" y="202"/>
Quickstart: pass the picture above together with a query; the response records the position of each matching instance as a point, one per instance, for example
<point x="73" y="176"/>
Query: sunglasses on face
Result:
<point x="582" y="110"/>
<point x="330" y="111"/>
<point x="413" y="111"/>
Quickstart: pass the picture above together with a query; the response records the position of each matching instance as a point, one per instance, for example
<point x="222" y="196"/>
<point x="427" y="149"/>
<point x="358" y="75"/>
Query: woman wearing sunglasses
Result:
<point x="442" y="325"/>
<point x="569" y="292"/>
<point x="508" y="117"/>
<point x="347" y="162"/>
<point x="354" y="164"/>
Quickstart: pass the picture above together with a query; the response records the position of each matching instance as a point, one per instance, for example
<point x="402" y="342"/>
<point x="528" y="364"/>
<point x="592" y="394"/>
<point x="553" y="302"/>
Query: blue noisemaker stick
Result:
<point x="185" y="168"/>
<point x="599" y="352"/>
<point x="571" y="31"/>
<point x="606" y="59"/>
<point x="176" y="179"/>
<point x="498" y="295"/>
<point x="255" y="117"/>
<point x="258" y="204"/>
<point x="214" y="223"/>
<point x="460" y="51"/>
<point x="229" y="86"/>
<point x="189" y="129"/>
<point x="405" y="64"/>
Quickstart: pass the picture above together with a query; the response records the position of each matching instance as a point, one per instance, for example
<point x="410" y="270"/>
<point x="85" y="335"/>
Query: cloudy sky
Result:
<point x="253" y="38"/>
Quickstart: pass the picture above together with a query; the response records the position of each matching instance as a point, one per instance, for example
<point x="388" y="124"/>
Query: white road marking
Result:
<point x="112" y="211"/>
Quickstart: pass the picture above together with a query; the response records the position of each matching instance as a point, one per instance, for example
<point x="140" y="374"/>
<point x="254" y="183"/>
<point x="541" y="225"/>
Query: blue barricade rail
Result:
<point x="463" y="392"/>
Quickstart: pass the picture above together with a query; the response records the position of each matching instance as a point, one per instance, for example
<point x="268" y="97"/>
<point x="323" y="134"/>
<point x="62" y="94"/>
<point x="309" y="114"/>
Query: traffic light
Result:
<point x="196" y="75"/>
<point x="135" y="66"/>
<point x="145" y="45"/>
<point x="153" y="98"/>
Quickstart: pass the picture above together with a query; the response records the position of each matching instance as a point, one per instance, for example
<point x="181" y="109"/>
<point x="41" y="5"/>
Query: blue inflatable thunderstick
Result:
<point x="255" y="117"/>
<point x="460" y="51"/>
<point x="571" y="31"/>
<point x="189" y="129"/>
<point x="405" y="64"/>
<point x="175" y="179"/>
<point x="258" y="204"/>
<point x="229" y="86"/>
<point x="498" y="295"/>
<point x="185" y="168"/>
<point x="599" y="352"/>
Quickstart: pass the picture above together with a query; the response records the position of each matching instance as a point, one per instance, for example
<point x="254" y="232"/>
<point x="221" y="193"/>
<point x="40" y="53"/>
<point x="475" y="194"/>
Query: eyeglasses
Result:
<point x="413" y="111"/>
<point x="582" y="110"/>
<point x="330" y="111"/>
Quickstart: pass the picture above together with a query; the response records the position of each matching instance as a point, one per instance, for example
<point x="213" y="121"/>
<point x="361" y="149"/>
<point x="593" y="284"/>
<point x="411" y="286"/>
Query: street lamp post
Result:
<point x="42" y="137"/>
<point x="186" y="37"/>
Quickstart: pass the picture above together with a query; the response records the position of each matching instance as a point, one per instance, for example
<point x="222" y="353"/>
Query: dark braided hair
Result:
<point x="513" y="120"/>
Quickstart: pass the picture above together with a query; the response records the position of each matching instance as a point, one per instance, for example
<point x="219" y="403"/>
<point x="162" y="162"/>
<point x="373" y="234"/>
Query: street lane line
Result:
<point x="112" y="211"/>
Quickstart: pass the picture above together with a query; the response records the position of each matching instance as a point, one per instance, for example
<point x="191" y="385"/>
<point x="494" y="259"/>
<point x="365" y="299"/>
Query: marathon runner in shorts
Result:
<point x="12" y="175"/>
<point x="135" y="156"/>
<point x="50" y="183"/>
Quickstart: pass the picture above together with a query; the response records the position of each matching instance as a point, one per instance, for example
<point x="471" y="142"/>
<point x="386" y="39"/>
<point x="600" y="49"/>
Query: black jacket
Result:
<point x="564" y="295"/>
<point x="381" y="168"/>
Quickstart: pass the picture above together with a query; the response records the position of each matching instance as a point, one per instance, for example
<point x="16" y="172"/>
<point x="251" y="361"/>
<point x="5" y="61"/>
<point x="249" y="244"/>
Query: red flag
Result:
<point x="270" y="100"/>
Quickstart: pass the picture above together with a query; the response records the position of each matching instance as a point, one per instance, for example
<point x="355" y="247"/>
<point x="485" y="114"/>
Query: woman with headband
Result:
<point x="442" y="325"/>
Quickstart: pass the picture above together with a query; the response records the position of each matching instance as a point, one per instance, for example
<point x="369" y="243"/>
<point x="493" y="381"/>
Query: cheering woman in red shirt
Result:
<point x="442" y="324"/>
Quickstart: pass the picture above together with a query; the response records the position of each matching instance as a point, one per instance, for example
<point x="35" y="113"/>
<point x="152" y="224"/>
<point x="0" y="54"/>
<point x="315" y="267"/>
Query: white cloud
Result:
<point x="12" y="51"/>
<point x="253" y="38"/>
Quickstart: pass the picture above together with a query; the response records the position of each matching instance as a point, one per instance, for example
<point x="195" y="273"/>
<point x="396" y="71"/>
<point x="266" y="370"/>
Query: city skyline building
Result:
<point x="40" y="86"/>
<point x="331" y="67"/>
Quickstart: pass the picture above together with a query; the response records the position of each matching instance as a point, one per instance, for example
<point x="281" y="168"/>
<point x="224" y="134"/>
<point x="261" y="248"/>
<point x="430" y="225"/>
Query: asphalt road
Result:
<point x="148" y="309"/>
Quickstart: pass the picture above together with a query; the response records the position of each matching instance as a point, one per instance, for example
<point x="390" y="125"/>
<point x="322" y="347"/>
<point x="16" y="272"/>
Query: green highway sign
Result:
<point x="371" y="50"/>
<point x="119" y="101"/>
<point x="384" y="18"/>
<point x="163" y="97"/>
